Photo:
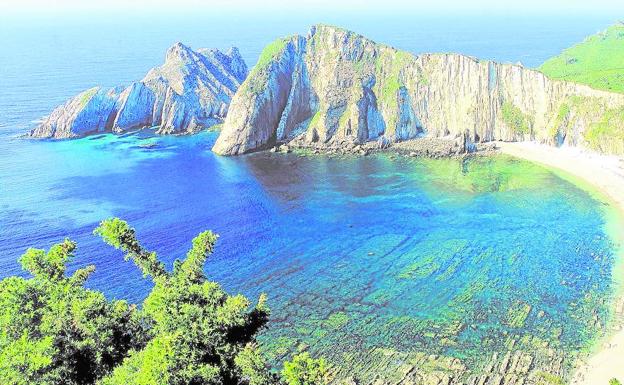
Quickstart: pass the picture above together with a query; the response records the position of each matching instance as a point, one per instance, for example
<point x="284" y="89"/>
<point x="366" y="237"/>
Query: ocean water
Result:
<point x="437" y="256"/>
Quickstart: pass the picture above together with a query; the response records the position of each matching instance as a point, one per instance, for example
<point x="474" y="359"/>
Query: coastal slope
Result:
<point x="334" y="86"/>
<point x="190" y="91"/>
<point x="597" y="61"/>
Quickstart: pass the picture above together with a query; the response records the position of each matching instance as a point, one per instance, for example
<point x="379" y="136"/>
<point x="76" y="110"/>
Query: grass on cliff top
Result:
<point x="87" y="95"/>
<point x="271" y="50"/>
<point x="598" y="61"/>
<point x="258" y="76"/>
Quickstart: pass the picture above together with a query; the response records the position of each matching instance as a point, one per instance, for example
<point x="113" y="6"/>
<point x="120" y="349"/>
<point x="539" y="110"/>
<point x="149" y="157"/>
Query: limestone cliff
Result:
<point x="334" y="85"/>
<point x="190" y="91"/>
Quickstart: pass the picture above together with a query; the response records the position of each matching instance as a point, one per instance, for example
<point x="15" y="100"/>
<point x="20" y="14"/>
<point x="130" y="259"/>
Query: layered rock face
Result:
<point x="334" y="85"/>
<point x="190" y="91"/>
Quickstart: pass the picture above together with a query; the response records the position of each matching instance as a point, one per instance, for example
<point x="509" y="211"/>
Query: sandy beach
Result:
<point x="607" y="174"/>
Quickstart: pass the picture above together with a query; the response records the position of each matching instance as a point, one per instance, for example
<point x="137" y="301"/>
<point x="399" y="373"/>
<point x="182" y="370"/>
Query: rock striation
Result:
<point x="189" y="92"/>
<point x="335" y="86"/>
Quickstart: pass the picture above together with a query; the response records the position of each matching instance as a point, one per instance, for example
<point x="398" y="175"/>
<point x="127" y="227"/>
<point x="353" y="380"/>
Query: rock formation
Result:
<point x="190" y="91"/>
<point x="335" y="86"/>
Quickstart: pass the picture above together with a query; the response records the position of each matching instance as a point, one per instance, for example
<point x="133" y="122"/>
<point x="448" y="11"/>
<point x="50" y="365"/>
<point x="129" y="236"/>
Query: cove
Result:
<point x="373" y="260"/>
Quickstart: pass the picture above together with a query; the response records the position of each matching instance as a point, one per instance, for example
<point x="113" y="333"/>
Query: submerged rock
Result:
<point x="192" y="90"/>
<point x="334" y="84"/>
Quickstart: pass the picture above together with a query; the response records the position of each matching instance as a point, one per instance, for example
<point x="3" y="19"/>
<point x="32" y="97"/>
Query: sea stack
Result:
<point x="189" y="92"/>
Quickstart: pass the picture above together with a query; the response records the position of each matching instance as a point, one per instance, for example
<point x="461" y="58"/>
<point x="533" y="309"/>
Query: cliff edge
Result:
<point x="334" y="85"/>
<point x="190" y="91"/>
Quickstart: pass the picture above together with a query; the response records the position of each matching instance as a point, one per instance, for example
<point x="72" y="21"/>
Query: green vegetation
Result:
<point x="87" y="95"/>
<point x="316" y="118"/>
<point x="614" y="381"/>
<point x="518" y="121"/>
<point x="259" y="74"/>
<point x="391" y="63"/>
<point x="389" y="68"/>
<point x="562" y="115"/>
<point x="598" y="61"/>
<point x="304" y="370"/>
<point x="605" y="126"/>
<point x="607" y="134"/>
<point x="343" y="122"/>
<point x="271" y="51"/>
<point x="54" y="331"/>
<point x="188" y="330"/>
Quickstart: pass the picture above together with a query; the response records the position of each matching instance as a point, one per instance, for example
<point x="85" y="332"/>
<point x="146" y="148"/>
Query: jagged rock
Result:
<point x="333" y="84"/>
<point x="192" y="90"/>
<point x="383" y="143"/>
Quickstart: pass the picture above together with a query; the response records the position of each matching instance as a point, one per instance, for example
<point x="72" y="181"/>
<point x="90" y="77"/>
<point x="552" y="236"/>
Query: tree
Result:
<point x="188" y="331"/>
<point x="54" y="331"/>
<point x="198" y="329"/>
<point x="304" y="370"/>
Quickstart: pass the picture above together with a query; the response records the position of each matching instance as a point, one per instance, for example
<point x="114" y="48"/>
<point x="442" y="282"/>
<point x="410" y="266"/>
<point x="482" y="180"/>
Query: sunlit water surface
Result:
<point x="441" y="256"/>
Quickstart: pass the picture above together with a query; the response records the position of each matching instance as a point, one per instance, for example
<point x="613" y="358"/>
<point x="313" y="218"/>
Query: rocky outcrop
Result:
<point x="336" y="86"/>
<point x="190" y="91"/>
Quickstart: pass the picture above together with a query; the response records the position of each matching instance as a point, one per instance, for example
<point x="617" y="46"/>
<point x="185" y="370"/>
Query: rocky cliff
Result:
<point x="335" y="86"/>
<point x="190" y="91"/>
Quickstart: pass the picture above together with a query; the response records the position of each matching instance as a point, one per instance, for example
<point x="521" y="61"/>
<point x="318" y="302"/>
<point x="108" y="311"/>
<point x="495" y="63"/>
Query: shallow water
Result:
<point x="440" y="256"/>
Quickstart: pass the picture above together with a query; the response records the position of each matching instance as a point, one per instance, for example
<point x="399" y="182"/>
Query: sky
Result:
<point x="52" y="7"/>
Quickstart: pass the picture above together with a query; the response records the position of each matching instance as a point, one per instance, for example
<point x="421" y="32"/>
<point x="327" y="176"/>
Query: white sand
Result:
<point x="607" y="174"/>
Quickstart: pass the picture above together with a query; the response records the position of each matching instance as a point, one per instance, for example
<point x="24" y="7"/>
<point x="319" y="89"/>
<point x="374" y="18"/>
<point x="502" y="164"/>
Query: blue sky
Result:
<point x="526" y="6"/>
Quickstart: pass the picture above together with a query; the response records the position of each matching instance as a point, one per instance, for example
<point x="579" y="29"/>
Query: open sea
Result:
<point x="436" y="256"/>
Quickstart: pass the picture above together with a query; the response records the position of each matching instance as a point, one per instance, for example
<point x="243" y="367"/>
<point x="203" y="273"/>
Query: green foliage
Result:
<point x="607" y="134"/>
<point x="513" y="117"/>
<point x="597" y="61"/>
<point x="259" y="75"/>
<point x="189" y="330"/>
<point x="87" y="95"/>
<point x="270" y="51"/>
<point x="316" y="118"/>
<point x="253" y="367"/>
<point x="391" y="63"/>
<point x="389" y="68"/>
<point x="562" y="115"/>
<point x="118" y="234"/>
<point x="54" y="331"/>
<point x="614" y="381"/>
<point x="197" y="330"/>
<point x="304" y="370"/>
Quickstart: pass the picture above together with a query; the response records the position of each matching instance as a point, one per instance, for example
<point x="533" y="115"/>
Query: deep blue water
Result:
<point x="354" y="253"/>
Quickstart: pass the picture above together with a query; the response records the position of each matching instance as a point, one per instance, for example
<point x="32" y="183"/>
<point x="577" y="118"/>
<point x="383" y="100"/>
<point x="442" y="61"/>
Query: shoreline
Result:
<point x="606" y="174"/>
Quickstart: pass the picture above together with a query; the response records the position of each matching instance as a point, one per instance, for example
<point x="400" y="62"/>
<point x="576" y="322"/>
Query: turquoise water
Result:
<point x="439" y="256"/>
